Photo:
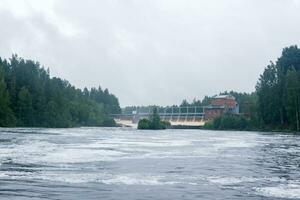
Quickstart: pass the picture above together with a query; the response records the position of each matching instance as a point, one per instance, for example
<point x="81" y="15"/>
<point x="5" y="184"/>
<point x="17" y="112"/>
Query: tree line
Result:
<point x="278" y="91"/>
<point x="29" y="97"/>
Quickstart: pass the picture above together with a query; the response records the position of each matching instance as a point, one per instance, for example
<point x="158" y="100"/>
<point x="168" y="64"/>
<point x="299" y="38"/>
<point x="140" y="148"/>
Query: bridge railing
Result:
<point x="185" y="113"/>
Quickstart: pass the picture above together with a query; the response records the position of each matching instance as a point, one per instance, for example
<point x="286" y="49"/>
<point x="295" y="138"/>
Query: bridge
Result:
<point x="192" y="116"/>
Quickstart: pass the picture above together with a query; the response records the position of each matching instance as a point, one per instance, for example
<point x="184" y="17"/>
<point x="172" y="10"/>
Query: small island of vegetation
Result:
<point x="154" y="122"/>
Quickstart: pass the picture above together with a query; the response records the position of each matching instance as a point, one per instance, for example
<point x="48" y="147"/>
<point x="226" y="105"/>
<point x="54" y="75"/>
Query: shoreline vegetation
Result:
<point x="29" y="97"/>
<point x="153" y="123"/>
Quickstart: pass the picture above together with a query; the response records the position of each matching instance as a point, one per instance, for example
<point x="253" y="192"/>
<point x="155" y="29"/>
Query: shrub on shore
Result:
<point x="228" y="122"/>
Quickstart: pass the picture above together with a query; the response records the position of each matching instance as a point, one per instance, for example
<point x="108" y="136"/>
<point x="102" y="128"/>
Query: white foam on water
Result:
<point x="131" y="179"/>
<point x="230" y="180"/>
<point x="73" y="177"/>
<point x="55" y="176"/>
<point x="144" y="142"/>
<point x="80" y="156"/>
<point x="42" y="152"/>
<point x="108" y="179"/>
<point x="294" y="150"/>
<point x="68" y="177"/>
<point x="234" y="144"/>
<point x="223" y="180"/>
<point x="15" y="175"/>
<point x="3" y="175"/>
<point x="287" y="191"/>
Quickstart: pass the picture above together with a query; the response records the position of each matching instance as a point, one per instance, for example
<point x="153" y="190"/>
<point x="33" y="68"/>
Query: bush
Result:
<point x="144" y="124"/>
<point x="165" y="124"/>
<point x="208" y="125"/>
<point x="109" y="122"/>
<point x="228" y="122"/>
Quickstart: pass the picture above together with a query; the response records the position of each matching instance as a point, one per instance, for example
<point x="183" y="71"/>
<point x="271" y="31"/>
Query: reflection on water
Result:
<point x="115" y="163"/>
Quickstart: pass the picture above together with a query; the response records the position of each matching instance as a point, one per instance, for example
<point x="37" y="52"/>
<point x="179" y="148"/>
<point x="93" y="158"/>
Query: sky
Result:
<point x="150" y="52"/>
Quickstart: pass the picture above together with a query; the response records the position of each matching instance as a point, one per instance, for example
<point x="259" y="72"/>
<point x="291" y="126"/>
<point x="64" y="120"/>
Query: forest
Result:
<point x="278" y="91"/>
<point x="29" y="97"/>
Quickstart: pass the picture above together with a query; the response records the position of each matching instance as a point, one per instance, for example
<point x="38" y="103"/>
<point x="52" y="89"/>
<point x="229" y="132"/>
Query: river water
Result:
<point x="116" y="163"/>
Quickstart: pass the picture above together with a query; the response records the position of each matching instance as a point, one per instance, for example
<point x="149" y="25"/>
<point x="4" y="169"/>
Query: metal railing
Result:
<point x="174" y="113"/>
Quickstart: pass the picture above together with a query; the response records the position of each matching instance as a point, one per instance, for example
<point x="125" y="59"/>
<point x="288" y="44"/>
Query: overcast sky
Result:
<point x="151" y="51"/>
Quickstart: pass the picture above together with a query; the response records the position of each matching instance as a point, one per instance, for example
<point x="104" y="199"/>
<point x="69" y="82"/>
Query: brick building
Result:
<point x="221" y="104"/>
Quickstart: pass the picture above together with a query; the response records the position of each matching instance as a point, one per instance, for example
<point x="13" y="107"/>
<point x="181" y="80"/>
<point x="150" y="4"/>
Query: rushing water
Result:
<point x="103" y="163"/>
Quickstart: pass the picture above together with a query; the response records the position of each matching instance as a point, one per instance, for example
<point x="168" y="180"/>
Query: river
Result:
<point x="125" y="164"/>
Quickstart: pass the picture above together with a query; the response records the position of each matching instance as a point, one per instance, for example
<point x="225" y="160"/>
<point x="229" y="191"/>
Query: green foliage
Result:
<point x="229" y="122"/>
<point x="209" y="125"/>
<point x="25" y="109"/>
<point x="293" y="98"/>
<point x="205" y="102"/>
<point x="144" y="124"/>
<point x="278" y="92"/>
<point x="6" y="115"/>
<point x="165" y="124"/>
<point x="30" y="97"/>
<point x="153" y="123"/>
